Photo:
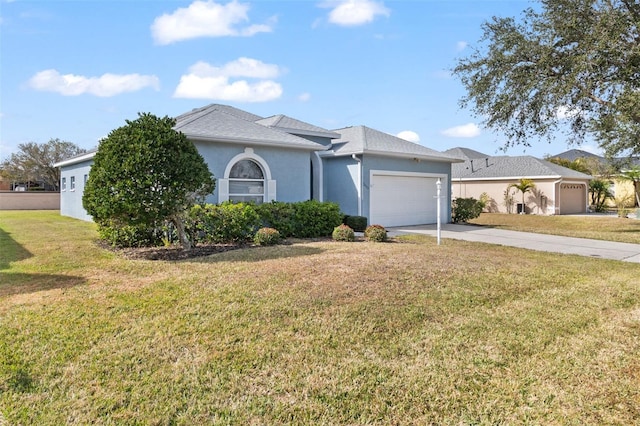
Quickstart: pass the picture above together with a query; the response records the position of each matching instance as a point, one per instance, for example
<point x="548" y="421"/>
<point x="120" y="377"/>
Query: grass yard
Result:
<point x="312" y="332"/>
<point x="608" y="228"/>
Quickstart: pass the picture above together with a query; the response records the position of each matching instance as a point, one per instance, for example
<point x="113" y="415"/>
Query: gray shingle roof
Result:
<point x="465" y="153"/>
<point x="524" y="166"/>
<point x="188" y="116"/>
<point x="574" y="154"/>
<point x="291" y="125"/>
<point x="363" y="140"/>
<point x="224" y="124"/>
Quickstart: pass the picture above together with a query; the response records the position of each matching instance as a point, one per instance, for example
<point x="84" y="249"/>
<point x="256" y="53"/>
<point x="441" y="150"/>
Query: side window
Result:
<point x="63" y="185"/>
<point x="72" y="183"/>
<point x="246" y="182"/>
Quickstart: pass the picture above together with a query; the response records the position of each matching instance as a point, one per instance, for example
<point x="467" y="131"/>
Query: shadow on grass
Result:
<point x="256" y="254"/>
<point x="10" y="250"/>
<point x="15" y="283"/>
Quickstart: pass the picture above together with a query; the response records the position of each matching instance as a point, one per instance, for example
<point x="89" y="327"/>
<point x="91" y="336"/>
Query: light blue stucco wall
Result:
<point x="341" y="179"/>
<point x="341" y="183"/>
<point x="71" y="200"/>
<point x="291" y="169"/>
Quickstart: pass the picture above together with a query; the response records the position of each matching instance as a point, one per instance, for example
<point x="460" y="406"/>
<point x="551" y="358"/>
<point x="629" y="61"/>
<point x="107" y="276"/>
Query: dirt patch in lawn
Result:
<point x="172" y="252"/>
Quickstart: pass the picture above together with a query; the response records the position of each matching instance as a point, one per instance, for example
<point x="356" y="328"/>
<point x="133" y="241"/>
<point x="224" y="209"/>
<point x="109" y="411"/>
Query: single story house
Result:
<point x="558" y="190"/>
<point x="389" y="180"/>
<point x="621" y="188"/>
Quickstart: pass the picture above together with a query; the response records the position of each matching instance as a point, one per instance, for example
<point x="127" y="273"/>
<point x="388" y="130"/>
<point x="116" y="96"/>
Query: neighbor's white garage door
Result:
<point x="399" y="200"/>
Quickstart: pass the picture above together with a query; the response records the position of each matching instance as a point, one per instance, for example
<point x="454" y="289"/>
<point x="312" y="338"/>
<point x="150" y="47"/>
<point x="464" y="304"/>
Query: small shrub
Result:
<point x="357" y="223"/>
<point x="343" y="233"/>
<point x="464" y="209"/>
<point x="266" y="237"/>
<point x="375" y="233"/>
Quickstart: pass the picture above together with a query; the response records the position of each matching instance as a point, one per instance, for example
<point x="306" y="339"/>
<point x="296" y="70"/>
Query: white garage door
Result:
<point x="399" y="200"/>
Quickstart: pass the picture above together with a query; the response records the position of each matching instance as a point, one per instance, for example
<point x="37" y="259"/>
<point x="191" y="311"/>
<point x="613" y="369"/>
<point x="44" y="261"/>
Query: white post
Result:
<point x="439" y="187"/>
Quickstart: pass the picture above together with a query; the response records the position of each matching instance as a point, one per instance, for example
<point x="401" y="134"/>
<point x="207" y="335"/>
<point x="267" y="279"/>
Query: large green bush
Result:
<point x="224" y="223"/>
<point x="305" y="219"/>
<point x="277" y="215"/>
<point x="315" y="219"/>
<point x="464" y="209"/>
<point x="238" y="222"/>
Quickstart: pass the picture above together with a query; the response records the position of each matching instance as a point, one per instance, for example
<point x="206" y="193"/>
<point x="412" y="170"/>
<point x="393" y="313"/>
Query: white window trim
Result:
<point x="248" y="154"/>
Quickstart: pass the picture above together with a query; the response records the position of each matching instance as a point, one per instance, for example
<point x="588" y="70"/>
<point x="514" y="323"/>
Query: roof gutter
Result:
<point x="314" y="147"/>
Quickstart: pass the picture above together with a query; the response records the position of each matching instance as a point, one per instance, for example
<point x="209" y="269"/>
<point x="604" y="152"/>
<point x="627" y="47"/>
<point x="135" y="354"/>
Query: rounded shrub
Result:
<point x="343" y="233"/>
<point x="266" y="237"/>
<point x="375" y="233"/>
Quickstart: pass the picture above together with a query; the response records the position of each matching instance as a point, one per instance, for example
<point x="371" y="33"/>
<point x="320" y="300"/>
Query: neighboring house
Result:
<point x="620" y="188"/>
<point x="368" y="173"/>
<point x="558" y="190"/>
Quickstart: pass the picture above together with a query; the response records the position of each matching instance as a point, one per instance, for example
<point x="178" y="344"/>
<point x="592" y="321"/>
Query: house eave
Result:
<point x="78" y="159"/>
<point x="548" y="177"/>
<point x="393" y="155"/>
<point x="244" y="141"/>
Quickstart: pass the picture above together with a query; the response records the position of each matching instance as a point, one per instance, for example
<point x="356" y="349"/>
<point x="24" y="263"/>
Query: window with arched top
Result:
<point x="246" y="182"/>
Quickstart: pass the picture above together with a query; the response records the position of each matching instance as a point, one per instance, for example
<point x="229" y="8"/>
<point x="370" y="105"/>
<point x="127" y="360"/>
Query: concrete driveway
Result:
<point x="625" y="252"/>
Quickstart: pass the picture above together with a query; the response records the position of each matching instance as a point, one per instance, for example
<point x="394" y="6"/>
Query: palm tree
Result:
<point x="524" y="186"/>
<point x="633" y="174"/>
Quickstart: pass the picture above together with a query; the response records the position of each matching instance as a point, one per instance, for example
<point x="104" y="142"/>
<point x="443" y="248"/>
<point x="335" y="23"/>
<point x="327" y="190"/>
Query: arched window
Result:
<point x="246" y="182"/>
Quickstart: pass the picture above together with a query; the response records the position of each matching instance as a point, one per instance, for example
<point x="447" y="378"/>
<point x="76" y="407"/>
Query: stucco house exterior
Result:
<point x="368" y="173"/>
<point x="621" y="189"/>
<point x="558" y="190"/>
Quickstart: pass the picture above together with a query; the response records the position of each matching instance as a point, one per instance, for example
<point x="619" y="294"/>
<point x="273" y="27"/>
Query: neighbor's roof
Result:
<point x="465" y="153"/>
<point x="507" y="167"/>
<point x="364" y="140"/>
<point x="222" y="123"/>
<point x="574" y="154"/>
<point x="291" y="125"/>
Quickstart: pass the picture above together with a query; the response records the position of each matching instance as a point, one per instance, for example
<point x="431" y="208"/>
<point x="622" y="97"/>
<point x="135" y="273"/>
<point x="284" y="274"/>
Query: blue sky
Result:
<point x="76" y="70"/>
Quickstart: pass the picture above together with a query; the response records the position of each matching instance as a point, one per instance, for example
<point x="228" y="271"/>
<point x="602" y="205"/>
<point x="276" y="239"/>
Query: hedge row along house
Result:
<point x="391" y="181"/>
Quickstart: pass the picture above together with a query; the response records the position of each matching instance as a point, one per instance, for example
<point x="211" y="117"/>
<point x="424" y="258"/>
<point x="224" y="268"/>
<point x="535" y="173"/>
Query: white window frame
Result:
<point x="72" y="183"/>
<point x="63" y="184"/>
<point x="248" y="154"/>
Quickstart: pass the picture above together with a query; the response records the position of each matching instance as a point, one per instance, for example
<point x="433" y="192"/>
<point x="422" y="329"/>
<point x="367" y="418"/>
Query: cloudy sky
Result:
<point x="76" y="70"/>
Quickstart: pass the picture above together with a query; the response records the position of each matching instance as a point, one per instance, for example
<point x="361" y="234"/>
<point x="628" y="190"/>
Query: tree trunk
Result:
<point x="182" y="236"/>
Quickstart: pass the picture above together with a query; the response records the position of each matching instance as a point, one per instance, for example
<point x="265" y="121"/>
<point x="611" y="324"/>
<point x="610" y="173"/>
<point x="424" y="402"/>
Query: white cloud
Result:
<point x="410" y="136"/>
<point x="304" y="97"/>
<point x="104" y="86"/>
<point x="470" y="130"/>
<point x="461" y="45"/>
<point x="350" y="13"/>
<point x="205" y="81"/>
<point x="206" y="19"/>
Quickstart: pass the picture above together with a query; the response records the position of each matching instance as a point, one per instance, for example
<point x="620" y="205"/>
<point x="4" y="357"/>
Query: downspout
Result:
<point x="359" y="183"/>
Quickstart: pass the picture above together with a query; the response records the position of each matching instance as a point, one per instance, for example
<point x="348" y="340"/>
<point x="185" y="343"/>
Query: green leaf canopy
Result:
<point x="144" y="173"/>
<point x="571" y="66"/>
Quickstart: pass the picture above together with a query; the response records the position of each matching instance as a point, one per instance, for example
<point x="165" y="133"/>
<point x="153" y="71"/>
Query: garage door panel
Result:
<point x="403" y="200"/>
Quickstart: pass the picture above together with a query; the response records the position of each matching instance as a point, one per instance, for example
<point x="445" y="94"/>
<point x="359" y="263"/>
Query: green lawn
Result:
<point x="608" y="228"/>
<point x="312" y="332"/>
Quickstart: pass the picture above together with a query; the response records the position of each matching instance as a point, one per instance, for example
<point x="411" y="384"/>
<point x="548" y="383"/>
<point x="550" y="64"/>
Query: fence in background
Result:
<point x="29" y="200"/>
